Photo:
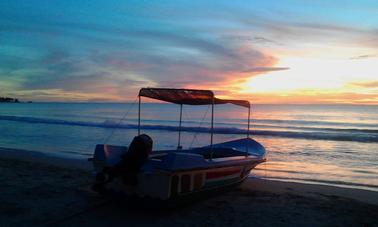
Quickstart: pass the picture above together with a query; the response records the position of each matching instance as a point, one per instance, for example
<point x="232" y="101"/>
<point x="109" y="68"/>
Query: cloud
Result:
<point x="252" y="39"/>
<point x="111" y="52"/>
<point x="313" y="97"/>
<point x="359" y="57"/>
<point x="147" y="56"/>
<point x="369" y="84"/>
<point x="266" y="69"/>
<point x="293" y="29"/>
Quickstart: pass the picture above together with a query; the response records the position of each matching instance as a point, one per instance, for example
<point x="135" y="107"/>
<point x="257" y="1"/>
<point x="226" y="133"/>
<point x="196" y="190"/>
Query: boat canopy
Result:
<point x="188" y="96"/>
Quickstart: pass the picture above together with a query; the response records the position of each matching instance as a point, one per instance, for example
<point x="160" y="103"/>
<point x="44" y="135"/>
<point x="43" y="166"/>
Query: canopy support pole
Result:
<point x="212" y="130"/>
<point x="249" y="121"/>
<point x="179" y="136"/>
<point x="139" y="115"/>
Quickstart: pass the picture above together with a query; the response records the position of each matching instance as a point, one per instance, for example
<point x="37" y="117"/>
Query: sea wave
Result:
<point x="312" y="123"/>
<point x="324" y="182"/>
<point x="317" y="128"/>
<point x="359" y="135"/>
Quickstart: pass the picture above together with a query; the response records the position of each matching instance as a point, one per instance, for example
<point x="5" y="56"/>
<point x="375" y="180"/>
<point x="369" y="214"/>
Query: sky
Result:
<point x="290" y="51"/>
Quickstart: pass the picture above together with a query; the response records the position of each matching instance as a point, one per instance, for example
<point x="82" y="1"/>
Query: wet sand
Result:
<point x="38" y="190"/>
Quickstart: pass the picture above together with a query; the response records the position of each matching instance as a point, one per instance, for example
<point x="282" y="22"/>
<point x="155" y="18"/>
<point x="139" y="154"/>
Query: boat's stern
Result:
<point x="107" y="156"/>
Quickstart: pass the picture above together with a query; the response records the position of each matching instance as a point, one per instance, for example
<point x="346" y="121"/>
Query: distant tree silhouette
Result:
<point x="7" y="99"/>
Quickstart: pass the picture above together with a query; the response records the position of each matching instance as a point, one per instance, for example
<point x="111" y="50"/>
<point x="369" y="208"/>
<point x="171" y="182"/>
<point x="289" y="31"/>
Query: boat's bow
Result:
<point x="247" y="145"/>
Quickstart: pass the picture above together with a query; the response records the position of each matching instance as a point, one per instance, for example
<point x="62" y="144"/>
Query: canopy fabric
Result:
<point x="243" y="103"/>
<point x="188" y="96"/>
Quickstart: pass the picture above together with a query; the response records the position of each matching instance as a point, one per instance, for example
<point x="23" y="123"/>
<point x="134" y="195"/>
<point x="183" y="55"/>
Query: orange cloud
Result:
<point x="368" y="84"/>
<point x="311" y="97"/>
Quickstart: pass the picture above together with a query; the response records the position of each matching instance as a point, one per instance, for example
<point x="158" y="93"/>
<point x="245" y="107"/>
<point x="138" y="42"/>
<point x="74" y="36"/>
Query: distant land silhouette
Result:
<point x="7" y="99"/>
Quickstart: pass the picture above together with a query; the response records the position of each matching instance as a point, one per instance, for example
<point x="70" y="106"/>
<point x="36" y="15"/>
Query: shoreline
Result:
<point x="83" y="164"/>
<point x="40" y="189"/>
<point x="44" y="158"/>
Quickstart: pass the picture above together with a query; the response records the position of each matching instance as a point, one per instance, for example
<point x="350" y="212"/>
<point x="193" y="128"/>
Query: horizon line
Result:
<point x="130" y="102"/>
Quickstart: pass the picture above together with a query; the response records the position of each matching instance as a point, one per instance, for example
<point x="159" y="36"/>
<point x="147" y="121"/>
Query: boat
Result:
<point x="140" y="171"/>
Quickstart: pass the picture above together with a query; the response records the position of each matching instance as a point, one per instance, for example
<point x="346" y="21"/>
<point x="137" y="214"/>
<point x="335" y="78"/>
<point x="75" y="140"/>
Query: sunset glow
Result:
<point x="265" y="52"/>
<point x="311" y="76"/>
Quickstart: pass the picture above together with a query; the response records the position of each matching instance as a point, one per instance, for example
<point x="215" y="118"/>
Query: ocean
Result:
<point x="322" y="144"/>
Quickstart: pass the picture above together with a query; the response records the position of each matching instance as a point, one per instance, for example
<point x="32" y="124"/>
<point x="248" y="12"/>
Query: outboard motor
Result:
<point x="139" y="150"/>
<point x="133" y="160"/>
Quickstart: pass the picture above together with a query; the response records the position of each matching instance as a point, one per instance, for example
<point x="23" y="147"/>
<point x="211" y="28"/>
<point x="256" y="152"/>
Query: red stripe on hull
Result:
<point x="212" y="175"/>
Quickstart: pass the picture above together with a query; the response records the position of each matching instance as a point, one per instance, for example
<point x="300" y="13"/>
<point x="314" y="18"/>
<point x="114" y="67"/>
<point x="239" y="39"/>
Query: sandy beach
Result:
<point x="41" y="190"/>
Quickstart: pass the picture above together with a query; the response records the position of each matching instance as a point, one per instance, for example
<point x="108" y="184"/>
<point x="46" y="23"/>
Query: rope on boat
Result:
<point x="90" y="145"/>
<point x="195" y="134"/>
<point x="119" y="122"/>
